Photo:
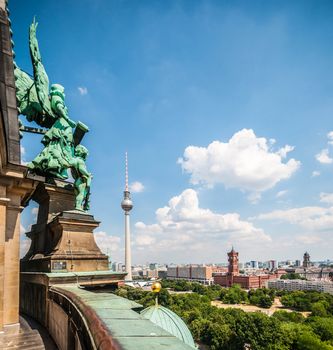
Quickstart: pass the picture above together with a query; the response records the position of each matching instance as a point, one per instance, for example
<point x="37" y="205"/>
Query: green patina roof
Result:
<point x="132" y="330"/>
<point x="170" y="322"/>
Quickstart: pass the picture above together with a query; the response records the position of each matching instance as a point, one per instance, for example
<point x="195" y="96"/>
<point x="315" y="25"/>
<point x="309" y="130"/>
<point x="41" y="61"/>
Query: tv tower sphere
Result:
<point x="126" y="203"/>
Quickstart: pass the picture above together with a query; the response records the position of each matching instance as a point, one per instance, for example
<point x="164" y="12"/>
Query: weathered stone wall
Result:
<point x="8" y="92"/>
<point x="13" y="186"/>
<point x="33" y="301"/>
<point x="58" y="325"/>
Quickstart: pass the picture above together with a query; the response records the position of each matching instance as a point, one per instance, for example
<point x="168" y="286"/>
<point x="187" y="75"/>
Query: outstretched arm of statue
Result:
<point x="33" y="43"/>
<point x="40" y="76"/>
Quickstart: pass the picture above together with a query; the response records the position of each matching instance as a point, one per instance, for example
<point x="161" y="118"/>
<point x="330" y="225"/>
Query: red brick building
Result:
<point x="245" y="281"/>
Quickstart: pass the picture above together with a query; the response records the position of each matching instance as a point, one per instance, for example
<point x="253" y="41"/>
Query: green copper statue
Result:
<point x="47" y="108"/>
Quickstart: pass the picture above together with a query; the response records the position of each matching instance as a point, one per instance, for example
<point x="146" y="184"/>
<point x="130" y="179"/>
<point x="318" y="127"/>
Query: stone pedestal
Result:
<point x="62" y="241"/>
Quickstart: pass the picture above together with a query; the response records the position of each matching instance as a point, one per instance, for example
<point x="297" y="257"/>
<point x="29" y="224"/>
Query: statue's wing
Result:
<point x="41" y="78"/>
<point x="27" y="100"/>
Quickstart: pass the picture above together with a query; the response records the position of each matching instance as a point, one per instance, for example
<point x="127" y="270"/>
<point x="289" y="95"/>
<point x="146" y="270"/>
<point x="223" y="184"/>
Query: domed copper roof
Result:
<point x="170" y="322"/>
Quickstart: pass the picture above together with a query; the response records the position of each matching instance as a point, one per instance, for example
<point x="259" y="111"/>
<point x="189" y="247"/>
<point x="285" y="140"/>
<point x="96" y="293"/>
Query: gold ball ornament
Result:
<point x="156" y="287"/>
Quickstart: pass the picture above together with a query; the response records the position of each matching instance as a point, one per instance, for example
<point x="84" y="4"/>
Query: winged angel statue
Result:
<point x="47" y="108"/>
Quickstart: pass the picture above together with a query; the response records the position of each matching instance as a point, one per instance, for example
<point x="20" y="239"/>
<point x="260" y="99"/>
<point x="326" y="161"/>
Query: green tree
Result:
<point x="309" y="341"/>
<point x="322" y="326"/>
<point x="286" y="316"/>
<point x="319" y="309"/>
<point x="261" y="297"/>
<point x="216" y="335"/>
<point x="292" y="276"/>
<point x="265" y="301"/>
<point x="233" y="295"/>
<point x="198" y="288"/>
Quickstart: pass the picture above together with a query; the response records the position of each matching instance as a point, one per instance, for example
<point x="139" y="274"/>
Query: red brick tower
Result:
<point x="233" y="266"/>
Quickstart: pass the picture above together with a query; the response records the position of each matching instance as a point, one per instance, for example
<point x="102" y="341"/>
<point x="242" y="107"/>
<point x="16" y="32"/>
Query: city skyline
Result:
<point x="227" y="111"/>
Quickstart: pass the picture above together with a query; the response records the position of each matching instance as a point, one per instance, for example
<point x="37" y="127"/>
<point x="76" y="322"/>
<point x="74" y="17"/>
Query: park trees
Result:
<point x="261" y="297"/>
<point x="233" y="295"/>
<point x="231" y="328"/>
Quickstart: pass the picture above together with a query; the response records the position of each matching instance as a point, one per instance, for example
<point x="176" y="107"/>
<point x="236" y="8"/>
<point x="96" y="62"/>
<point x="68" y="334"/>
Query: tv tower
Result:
<point x="127" y="206"/>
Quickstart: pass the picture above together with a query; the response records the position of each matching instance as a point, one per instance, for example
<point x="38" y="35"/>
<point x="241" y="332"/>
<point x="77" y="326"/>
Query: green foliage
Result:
<point x="216" y="335"/>
<point x="302" y="337"/>
<point x="321" y="304"/>
<point x="292" y="276"/>
<point x="323" y="327"/>
<point x="230" y="329"/>
<point x="308" y="341"/>
<point x="212" y="292"/>
<point x="178" y="286"/>
<point x="261" y="297"/>
<point x="319" y="309"/>
<point x="286" y="316"/>
<point x="233" y="295"/>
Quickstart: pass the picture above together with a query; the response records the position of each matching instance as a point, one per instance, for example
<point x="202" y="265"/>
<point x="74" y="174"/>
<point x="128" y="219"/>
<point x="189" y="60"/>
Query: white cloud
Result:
<point x="323" y="157"/>
<point x="246" y="162"/>
<point x="330" y="137"/>
<point x="183" y="227"/>
<point x="281" y="194"/>
<point x="309" y="218"/>
<point x="24" y="246"/>
<point x="22" y="229"/>
<point x="254" y="197"/>
<point x="23" y="153"/>
<point x="106" y="242"/>
<point x="315" y="173"/>
<point x="34" y="212"/>
<point x="283" y="152"/>
<point x="326" y="197"/>
<point x="136" y="187"/>
<point x="83" y="90"/>
<point x="24" y="242"/>
<point x="308" y="239"/>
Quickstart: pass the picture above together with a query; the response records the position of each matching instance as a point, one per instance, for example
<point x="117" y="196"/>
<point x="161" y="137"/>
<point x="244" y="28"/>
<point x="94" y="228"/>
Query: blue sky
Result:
<point x="155" y="77"/>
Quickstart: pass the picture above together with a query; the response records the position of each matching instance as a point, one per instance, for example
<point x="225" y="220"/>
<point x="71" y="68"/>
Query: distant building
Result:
<point x="220" y="269"/>
<point x="291" y="285"/>
<point x="241" y="266"/>
<point x="254" y="264"/>
<point x="272" y="265"/>
<point x="313" y="273"/>
<point x="163" y="273"/>
<point x="265" y="265"/>
<point x="245" y="281"/>
<point x="117" y="267"/>
<point x="153" y="266"/>
<point x="148" y="273"/>
<point x="195" y="273"/>
<point x="306" y="260"/>
<point x="298" y="263"/>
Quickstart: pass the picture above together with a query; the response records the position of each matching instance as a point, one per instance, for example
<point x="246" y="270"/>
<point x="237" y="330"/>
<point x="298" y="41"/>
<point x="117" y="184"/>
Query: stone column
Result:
<point x="3" y="208"/>
<point x="12" y="259"/>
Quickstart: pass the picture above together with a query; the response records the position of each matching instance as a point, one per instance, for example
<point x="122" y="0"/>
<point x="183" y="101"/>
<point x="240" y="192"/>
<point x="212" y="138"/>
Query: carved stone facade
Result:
<point x="14" y="187"/>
